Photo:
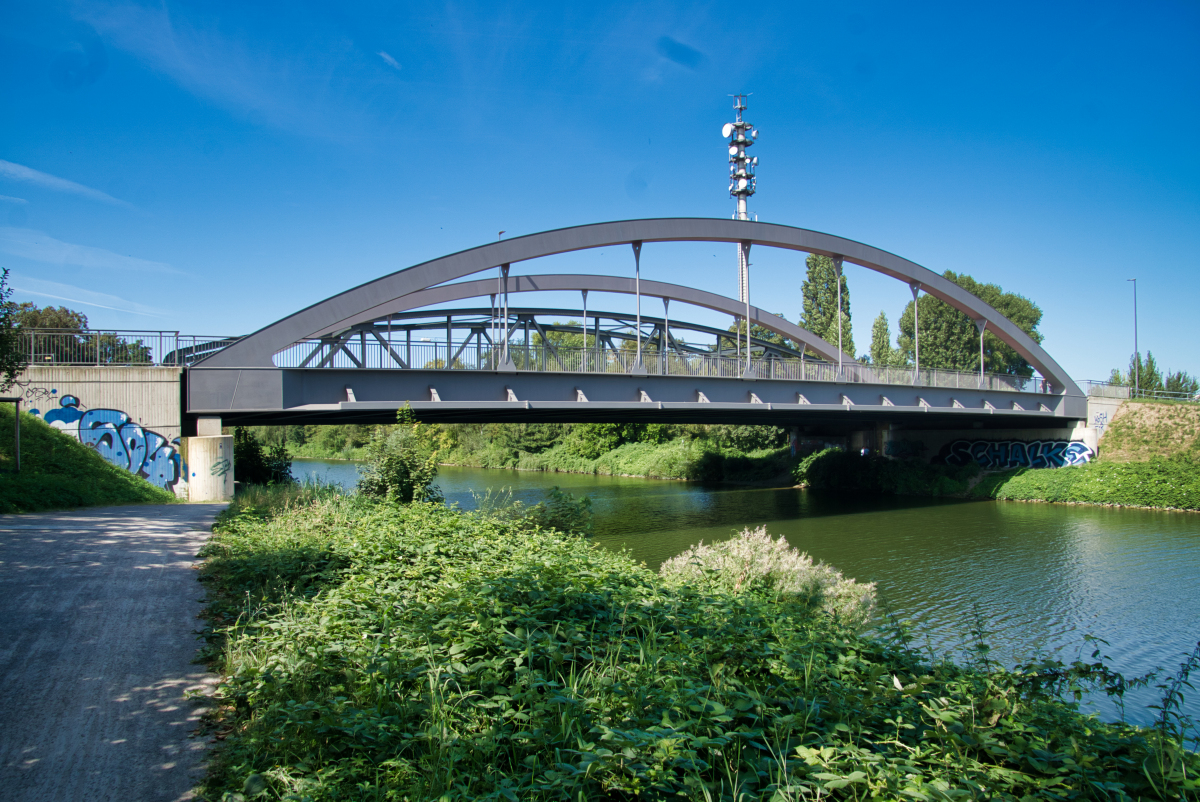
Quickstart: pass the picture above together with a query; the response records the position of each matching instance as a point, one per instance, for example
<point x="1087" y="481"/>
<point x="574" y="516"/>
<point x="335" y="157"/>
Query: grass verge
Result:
<point x="375" y="651"/>
<point x="59" y="472"/>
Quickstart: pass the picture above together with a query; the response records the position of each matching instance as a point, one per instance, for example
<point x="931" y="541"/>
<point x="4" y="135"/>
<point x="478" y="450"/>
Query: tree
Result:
<point x="1182" y="382"/>
<point x="12" y="356"/>
<point x="29" y="316"/>
<point x="761" y="333"/>
<point x="402" y="461"/>
<point x="255" y="465"/>
<point x="882" y="352"/>
<point x="950" y="340"/>
<point x="1145" y="377"/>
<point x="820" y="291"/>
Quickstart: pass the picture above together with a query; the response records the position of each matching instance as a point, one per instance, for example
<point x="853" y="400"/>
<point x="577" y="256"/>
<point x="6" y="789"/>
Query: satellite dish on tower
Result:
<point x="733" y="150"/>
<point x="727" y="130"/>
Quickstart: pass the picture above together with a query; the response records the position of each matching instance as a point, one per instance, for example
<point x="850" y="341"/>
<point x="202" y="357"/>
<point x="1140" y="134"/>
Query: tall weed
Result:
<point x="378" y="651"/>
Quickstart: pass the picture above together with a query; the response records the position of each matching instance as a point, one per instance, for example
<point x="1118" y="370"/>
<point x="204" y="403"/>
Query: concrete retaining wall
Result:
<point x="130" y="415"/>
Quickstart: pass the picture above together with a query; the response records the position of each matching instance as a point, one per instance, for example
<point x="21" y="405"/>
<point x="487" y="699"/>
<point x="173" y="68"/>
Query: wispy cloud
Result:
<point x="40" y="247"/>
<point x="391" y="62"/>
<point x="11" y="199"/>
<point x="681" y="54"/>
<point x="78" y="295"/>
<point x="28" y="175"/>
<point x="304" y="92"/>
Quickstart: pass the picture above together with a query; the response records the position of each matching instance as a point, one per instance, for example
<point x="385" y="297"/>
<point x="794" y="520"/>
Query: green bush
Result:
<point x="1166" y="483"/>
<point x="563" y="512"/>
<point x="59" y="472"/>
<point x="845" y="472"/>
<point x="378" y="651"/>
<point x="401" y="462"/>
<point x="255" y="465"/>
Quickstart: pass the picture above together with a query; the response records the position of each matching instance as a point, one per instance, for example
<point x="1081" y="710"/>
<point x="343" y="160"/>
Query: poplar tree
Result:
<point x="882" y="352"/>
<point x="820" y="291"/>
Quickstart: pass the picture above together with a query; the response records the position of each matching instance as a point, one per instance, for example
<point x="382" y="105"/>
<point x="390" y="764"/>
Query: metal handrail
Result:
<point x="1103" y="389"/>
<point x="360" y="352"/>
<point x="128" y="347"/>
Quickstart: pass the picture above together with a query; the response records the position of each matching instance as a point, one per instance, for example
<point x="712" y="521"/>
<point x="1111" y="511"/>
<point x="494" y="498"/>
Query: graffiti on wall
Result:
<point x="998" y="454"/>
<point x="1099" y="421"/>
<point x="114" y="435"/>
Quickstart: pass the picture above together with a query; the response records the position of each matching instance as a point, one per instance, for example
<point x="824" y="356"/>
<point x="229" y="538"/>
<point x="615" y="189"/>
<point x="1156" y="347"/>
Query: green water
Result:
<point x="1036" y="577"/>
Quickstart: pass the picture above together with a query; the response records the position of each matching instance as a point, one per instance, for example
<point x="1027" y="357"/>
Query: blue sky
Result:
<point x="211" y="167"/>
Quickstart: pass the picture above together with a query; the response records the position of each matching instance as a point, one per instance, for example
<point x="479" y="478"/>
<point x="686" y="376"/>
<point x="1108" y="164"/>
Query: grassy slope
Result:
<point x="1149" y="457"/>
<point x="57" y="472"/>
<point x="1160" y="483"/>
<point x="1165" y="484"/>
<point x="377" y="652"/>
<point x="1143" y="430"/>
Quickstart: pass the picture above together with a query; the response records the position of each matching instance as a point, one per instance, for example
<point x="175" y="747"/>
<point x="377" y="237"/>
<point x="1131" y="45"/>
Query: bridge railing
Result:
<point x="430" y="355"/>
<point x="84" y="347"/>
<point x="1103" y="389"/>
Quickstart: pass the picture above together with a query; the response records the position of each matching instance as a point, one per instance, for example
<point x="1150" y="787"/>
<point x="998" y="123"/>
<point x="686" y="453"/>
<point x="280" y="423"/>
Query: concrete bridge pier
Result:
<point x="210" y="462"/>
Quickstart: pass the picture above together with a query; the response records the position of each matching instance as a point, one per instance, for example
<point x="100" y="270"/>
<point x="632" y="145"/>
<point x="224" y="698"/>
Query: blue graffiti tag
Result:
<point x="997" y="454"/>
<point x="121" y="441"/>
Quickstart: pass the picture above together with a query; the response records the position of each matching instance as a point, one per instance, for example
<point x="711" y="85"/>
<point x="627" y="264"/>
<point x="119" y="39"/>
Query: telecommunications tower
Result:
<point x="742" y="184"/>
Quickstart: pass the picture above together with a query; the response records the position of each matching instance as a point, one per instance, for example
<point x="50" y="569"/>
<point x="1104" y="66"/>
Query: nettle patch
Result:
<point x="427" y="653"/>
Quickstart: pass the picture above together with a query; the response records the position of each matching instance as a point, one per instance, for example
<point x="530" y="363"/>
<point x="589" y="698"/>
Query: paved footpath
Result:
<point x="97" y="614"/>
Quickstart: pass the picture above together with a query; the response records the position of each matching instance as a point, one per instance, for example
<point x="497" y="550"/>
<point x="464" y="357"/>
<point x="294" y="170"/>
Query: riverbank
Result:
<point x="690" y="460"/>
<point x="371" y="649"/>
<point x="58" y="472"/>
<point x="1167" y="484"/>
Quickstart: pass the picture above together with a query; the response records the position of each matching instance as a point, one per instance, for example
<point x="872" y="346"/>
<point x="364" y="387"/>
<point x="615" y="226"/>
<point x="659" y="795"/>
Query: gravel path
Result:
<point x="97" y="614"/>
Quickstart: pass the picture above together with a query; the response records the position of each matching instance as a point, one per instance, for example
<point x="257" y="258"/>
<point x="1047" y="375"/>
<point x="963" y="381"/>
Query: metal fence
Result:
<point x="1100" y="389"/>
<point x="431" y="355"/>
<point x="125" y="348"/>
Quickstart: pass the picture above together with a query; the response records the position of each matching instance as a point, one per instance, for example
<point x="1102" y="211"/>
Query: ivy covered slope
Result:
<point x="57" y="472"/>
<point x="382" y="651"/>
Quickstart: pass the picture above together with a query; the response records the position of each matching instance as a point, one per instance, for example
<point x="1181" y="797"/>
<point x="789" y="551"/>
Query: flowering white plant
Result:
<point x="752" y="560"/>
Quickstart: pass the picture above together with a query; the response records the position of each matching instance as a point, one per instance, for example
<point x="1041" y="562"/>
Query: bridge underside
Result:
<point x="323" y="396"/>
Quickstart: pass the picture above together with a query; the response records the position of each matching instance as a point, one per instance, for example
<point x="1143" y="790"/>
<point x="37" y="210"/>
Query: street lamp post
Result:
<point x="1137" y="355"/>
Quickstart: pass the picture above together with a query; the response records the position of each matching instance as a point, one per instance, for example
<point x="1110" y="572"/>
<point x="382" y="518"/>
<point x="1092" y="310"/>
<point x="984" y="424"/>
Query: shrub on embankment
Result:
<point x="682" y="458"/>
<point x="841" y="471"/>
<point x="1162" y="483"/>
<point x="378" y="651"/>
<point x="57" y="472"/>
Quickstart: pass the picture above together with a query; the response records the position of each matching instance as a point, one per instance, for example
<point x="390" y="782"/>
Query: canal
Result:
<point x="1037" y="578"/>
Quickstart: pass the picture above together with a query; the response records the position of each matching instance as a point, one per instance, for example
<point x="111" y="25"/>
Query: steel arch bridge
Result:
<point x="353" y="358"/>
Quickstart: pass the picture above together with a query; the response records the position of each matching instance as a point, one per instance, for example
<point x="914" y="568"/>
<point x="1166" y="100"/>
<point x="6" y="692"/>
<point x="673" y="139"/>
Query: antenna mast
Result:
<point x="741" y="135"/>
<point x="742" y="184"/>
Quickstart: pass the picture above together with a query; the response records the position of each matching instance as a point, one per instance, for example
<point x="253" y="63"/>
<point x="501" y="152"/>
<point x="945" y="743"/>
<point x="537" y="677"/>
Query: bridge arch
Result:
<point x="562" y="282"/>
<point x="257" y="349"/>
